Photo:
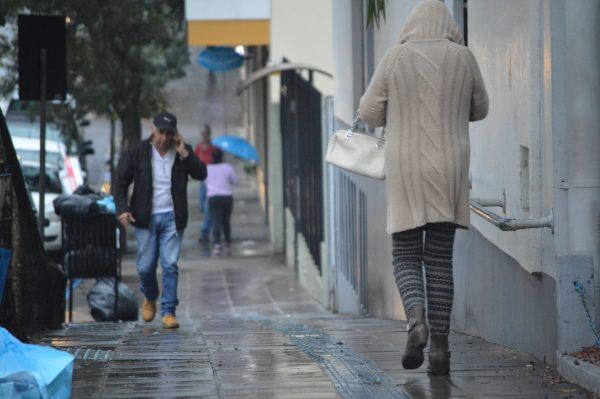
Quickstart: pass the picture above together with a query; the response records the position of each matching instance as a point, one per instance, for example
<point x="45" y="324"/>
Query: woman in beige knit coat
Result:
<point x="425" y="91"/>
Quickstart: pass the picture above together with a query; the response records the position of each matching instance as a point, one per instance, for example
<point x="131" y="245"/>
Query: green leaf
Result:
<point x="375" y="11"/>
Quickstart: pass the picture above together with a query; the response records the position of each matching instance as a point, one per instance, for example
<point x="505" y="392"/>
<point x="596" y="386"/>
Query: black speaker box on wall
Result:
<point x="37" y="32"/>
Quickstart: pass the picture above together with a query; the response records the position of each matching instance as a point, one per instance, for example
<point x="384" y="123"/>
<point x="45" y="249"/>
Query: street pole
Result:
<point x="42" y="175"/>
<point x="112" y="147"/>
<point x="225" y="102"/>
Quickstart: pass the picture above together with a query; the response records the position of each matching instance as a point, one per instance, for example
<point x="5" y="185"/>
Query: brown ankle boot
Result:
<point x="418" y="332"/>
<point x="439" y="355"/>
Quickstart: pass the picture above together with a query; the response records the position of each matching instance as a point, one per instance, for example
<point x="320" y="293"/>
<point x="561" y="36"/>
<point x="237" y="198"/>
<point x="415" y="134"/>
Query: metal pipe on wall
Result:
<point x="508" y="224"/>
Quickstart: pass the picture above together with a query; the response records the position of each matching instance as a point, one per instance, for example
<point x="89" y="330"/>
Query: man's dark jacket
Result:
<point x="135" y="166"/>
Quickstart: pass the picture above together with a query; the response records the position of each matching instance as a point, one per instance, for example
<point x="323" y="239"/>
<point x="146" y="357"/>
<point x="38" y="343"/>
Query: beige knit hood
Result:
<point x="430" y="19"/>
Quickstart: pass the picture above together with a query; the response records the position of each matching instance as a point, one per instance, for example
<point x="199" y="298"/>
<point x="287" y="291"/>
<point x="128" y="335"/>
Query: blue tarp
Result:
<point x="33" y="371"/>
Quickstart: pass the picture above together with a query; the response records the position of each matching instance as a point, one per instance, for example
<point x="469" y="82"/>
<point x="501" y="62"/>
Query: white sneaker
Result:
<point x="216" y="250"/>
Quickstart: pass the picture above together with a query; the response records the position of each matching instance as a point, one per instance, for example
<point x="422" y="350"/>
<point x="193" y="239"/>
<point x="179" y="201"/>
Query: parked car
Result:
<point x="23" y="127"/>
<point x="70" y="173"/>
<point x="54" y="188"/>
<point x="28" y="149"/>
<point x="22" y="119"/>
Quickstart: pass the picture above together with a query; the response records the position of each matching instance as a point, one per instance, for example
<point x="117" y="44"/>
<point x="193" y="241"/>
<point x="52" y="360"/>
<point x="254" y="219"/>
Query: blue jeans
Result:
<point x="207" y="220"/>
<point x="161" y="242"/>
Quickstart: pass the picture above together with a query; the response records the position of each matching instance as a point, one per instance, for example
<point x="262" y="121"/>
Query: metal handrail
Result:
<point x="492" y="202"/>
<point x="508" y="224"/>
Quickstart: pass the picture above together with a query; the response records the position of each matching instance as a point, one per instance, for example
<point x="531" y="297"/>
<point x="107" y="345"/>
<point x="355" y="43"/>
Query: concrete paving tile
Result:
<point x="434" y="387"/>
<point x="505" y="386"/>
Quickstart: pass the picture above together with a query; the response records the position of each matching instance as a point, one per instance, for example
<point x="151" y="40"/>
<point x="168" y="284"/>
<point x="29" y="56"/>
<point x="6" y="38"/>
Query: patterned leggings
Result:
<point x="408" y="259"/>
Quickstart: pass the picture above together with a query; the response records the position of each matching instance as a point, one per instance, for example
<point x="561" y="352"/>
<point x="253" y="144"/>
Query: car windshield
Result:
<point x="32" y="131"/>
<point x="53" y="158"/>
<point x="32" y="177"/>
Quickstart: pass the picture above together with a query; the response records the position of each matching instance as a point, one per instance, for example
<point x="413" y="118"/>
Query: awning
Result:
<point x="283" y="66"/>
<point x="229" y="32"/>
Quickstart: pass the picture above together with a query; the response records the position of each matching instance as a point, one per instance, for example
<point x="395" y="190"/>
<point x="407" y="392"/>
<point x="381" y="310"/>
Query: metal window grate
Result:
<point x="351" y="242"/>
<point x="363" y="248"/>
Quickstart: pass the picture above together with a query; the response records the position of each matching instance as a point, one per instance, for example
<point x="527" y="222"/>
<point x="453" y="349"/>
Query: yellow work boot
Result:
<point x="169" y="321"/>
<point x="148" y="310"/>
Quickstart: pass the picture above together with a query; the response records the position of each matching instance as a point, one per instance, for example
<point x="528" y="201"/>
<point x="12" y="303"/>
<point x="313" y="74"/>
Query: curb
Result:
<point x="579" y="372"/>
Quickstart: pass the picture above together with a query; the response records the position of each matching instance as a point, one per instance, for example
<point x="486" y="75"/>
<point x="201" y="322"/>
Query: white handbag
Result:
<point x="360" y="153"/>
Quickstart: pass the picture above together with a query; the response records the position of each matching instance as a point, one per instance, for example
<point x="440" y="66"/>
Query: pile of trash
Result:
<point x="91" y="251"/>
<point x="84" y="203"/>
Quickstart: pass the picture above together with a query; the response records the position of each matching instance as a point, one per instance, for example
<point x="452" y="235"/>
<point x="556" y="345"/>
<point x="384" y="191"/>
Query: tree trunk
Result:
<point x="132" y="127"/>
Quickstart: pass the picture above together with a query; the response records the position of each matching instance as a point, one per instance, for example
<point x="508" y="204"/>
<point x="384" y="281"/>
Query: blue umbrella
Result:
<point x="236" y="146"/>
<point x="220" y="59"/>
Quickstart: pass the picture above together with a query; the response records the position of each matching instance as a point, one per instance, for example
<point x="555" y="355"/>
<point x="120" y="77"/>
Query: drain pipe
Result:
<point x="508" y="224"/>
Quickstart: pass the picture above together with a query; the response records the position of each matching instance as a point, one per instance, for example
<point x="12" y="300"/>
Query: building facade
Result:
<point x="533" y="162"/>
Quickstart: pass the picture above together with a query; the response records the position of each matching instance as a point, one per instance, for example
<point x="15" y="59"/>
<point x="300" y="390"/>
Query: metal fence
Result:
<point x="302" y="158"/>
<point x="351" y="239"/>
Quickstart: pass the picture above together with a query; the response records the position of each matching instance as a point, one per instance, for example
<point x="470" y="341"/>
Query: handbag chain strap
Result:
<point x="354" y="125"/>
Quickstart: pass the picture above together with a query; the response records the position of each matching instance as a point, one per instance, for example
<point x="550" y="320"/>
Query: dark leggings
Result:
<point x="221" y="207"/>
<point x="409" y="255"/>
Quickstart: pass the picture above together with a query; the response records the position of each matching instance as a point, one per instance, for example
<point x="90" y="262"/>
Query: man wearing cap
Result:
<point x="158" y="167"/>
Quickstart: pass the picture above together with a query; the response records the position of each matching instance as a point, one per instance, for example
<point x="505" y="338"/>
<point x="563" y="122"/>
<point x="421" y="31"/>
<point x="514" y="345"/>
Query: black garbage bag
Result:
<point x="101" y="300"/>
<point x="84" y="189"/>
<point x="74" y="205"/>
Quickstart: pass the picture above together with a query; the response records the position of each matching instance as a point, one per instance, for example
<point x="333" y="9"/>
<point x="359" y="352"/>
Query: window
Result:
<point x="31" y="173"/>
<point x="53" y="158"/>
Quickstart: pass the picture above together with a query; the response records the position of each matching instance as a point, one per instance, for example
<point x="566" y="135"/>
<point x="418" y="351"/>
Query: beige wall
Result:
<point x="302" y="32"/>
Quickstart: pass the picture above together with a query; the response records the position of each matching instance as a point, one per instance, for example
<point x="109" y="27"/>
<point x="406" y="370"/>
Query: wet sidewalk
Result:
<point x="249" y="330"/>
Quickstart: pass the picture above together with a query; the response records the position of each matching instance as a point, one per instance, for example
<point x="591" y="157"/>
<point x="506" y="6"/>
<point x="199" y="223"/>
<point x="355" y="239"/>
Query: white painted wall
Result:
<point x="397" y="13"/>
<point x="206" y="10"/>
<point x="508" y="49"/>
<point x="342" y="67"/>
<point x="582" y="136"/>
<point x="302" y="32"/>
<point x="540" y="61"/>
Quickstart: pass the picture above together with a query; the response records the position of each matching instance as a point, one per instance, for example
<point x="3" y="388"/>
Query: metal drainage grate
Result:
<point x="352" y="375"/>
<point x="91" y="354"/>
